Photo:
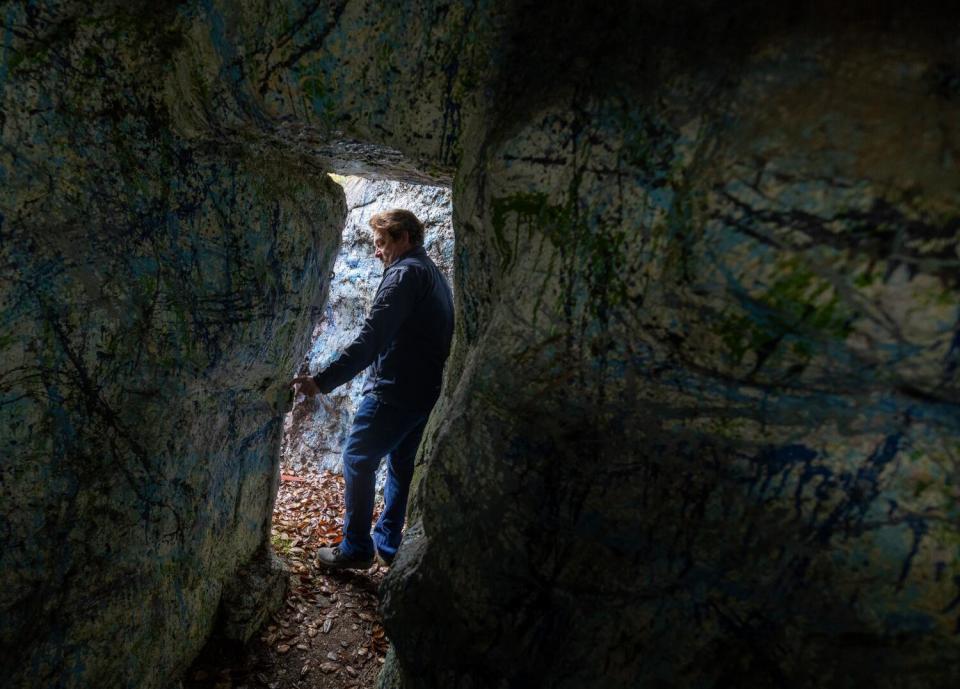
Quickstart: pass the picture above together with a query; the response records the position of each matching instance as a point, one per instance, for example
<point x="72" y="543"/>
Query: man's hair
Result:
<point x="397" y="221"/>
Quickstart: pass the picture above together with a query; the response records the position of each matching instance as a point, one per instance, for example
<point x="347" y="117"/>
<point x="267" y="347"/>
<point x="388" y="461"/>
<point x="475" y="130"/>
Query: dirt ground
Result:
<point x="328" y="633"/>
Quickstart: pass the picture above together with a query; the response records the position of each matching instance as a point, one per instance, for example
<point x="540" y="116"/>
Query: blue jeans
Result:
<point x="378" y="429"/>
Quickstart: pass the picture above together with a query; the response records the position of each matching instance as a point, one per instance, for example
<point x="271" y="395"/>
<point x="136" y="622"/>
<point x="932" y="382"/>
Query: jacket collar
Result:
<point x="415" y="251"/>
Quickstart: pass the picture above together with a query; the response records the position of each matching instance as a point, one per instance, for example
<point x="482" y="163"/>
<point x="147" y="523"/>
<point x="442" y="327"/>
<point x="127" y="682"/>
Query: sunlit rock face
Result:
<point x="317" y="427"/>
<point x="700" y="425"/>
<point x="156" y="296"/>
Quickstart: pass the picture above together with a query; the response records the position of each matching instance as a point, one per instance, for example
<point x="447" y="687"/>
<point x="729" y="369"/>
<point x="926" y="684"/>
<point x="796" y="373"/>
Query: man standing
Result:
<point x="405" y="340"/>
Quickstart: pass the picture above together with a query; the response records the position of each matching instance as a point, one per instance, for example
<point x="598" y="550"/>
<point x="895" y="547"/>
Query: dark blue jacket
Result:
<point x="406" y="336"/>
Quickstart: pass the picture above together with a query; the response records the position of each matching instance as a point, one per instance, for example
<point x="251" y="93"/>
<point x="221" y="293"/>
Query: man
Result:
<point x="406" y="337"/>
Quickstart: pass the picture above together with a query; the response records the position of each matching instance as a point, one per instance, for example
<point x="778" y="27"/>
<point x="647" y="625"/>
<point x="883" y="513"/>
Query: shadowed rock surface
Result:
<point x="700" y="424"/>
<point x="155" y="297"/>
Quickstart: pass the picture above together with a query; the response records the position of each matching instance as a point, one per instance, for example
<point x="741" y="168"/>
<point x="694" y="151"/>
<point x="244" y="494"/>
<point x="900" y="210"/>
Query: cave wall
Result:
<point x="704" y="430"/>
<point x="699" y="426"/>
<point x="316" y="428"/>
<point x="156" y="295"/>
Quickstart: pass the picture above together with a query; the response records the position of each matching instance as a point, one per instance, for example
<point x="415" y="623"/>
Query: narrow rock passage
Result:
<point x="328" y="634"/>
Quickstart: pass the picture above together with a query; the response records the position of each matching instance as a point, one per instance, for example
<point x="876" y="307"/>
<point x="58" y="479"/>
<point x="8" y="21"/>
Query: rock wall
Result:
<point x="156" y="296"/>
<point x="316" y="428"/>
<point x="700" y="424"/>
<point x="732" y="458"/>
<point x="732" y="303"/>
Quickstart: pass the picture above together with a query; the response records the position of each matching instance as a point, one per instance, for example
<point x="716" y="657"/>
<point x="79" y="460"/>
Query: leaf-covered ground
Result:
<point x="328" y="633"/>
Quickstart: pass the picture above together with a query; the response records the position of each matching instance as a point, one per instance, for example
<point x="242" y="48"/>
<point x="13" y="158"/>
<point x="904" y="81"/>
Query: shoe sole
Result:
<point x="324" y="565"/>
<point x="337" y="565"/>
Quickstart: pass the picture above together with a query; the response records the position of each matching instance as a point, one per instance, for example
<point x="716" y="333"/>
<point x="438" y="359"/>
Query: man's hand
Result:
<point x="305" y="385"/>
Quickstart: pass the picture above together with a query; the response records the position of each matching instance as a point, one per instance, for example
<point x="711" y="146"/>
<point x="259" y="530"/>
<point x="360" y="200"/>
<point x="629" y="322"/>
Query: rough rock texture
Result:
<point x="156" y="296"/>
<point x="700" y="425"/>
<point x="316" y="428"/>
<point x="362" y="88"/>
<point x="252" y="595"/>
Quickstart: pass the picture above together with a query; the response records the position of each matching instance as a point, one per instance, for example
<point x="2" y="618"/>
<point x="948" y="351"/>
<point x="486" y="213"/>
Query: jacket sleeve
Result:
<point x="393" y="303"/>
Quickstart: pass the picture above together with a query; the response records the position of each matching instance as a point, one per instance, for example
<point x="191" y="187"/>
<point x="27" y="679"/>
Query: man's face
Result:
<point x="388" y="249"/>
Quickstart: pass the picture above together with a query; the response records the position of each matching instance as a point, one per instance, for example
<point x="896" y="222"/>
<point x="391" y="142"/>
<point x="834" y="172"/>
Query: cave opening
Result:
<point x="329" y="623"/>
<point x="315" y="428"/>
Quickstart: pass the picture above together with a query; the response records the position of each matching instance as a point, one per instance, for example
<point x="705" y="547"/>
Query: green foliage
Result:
<point x="281" y="543"/>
